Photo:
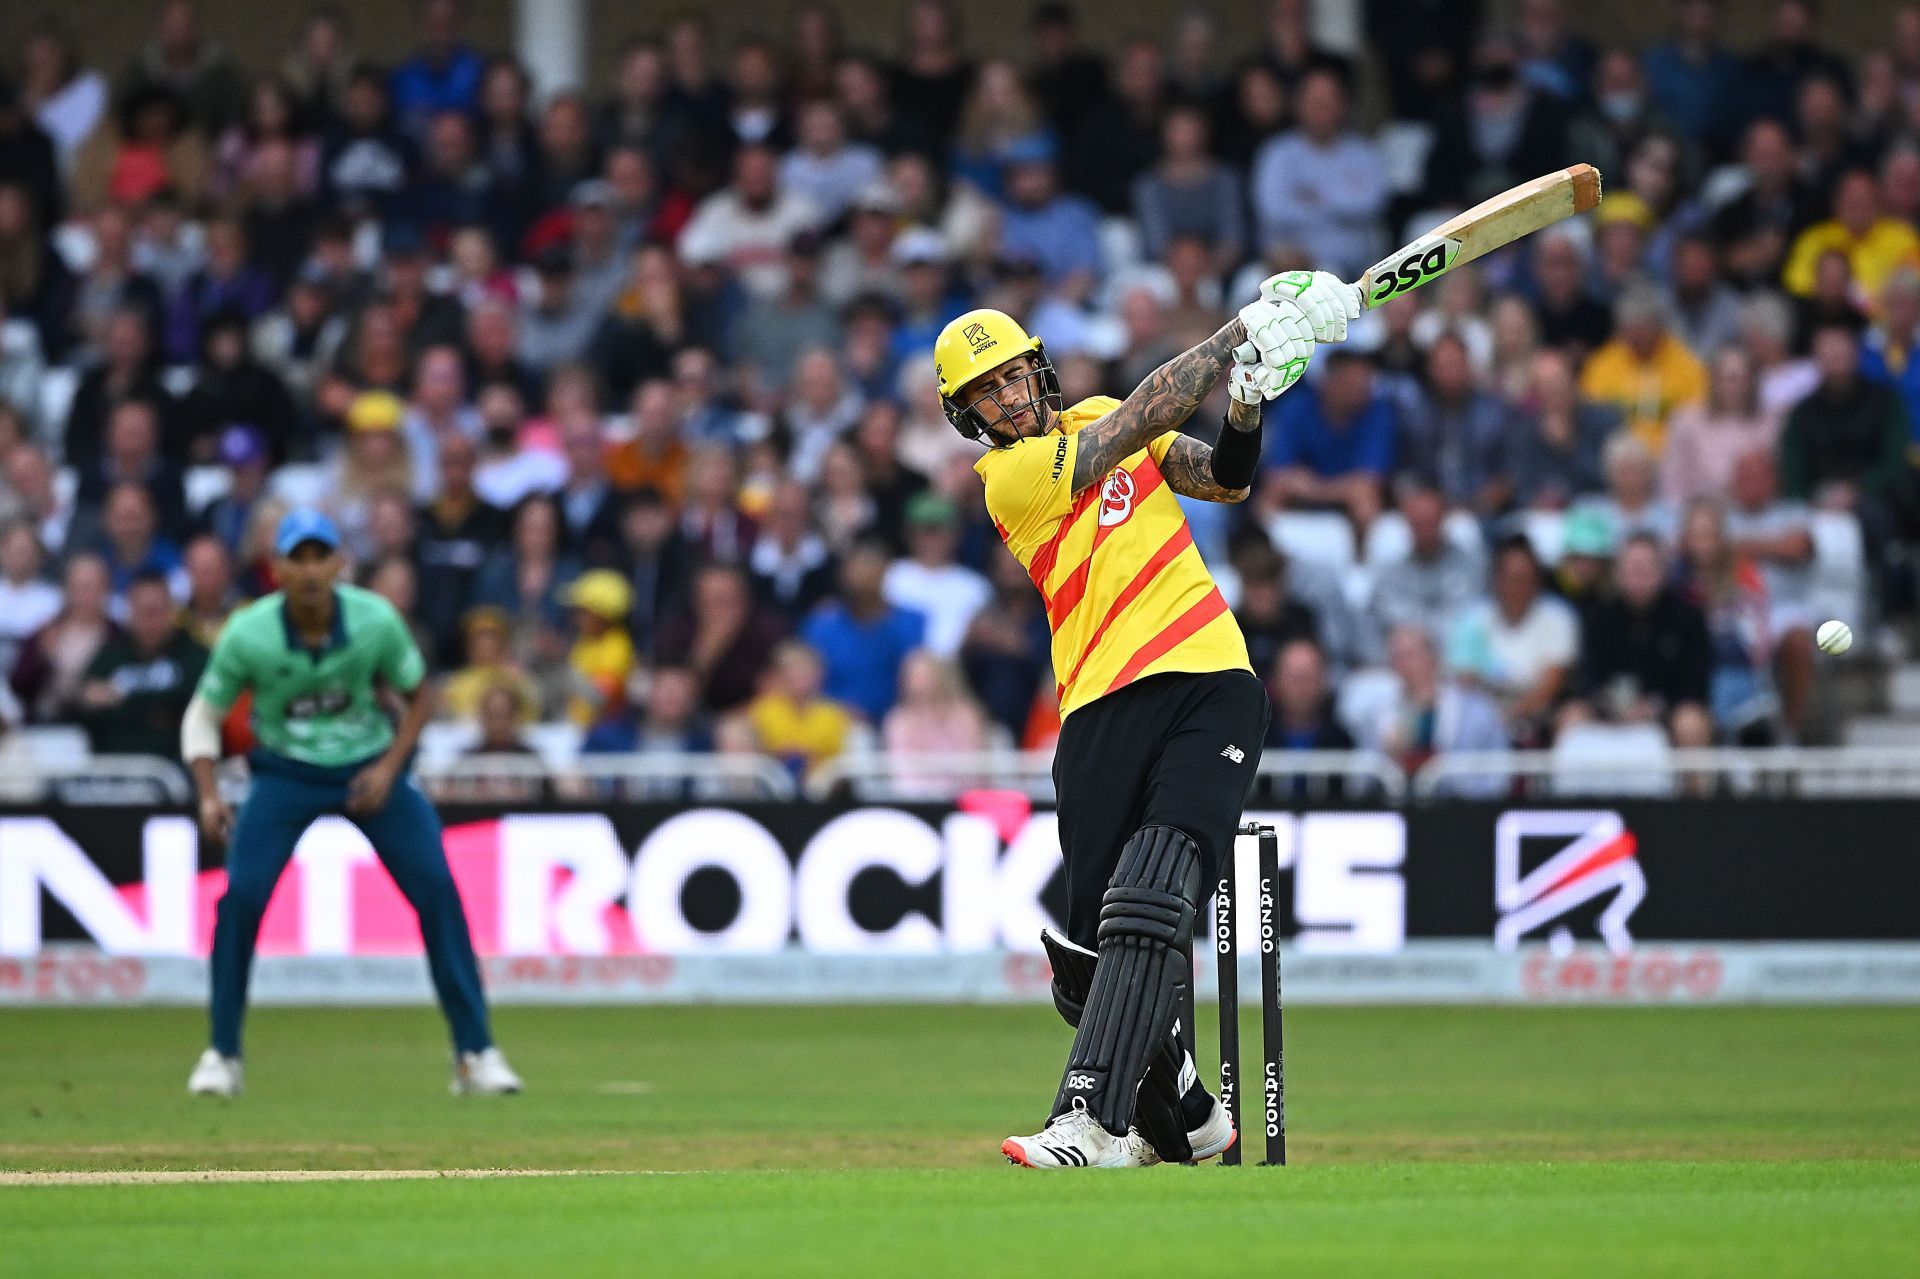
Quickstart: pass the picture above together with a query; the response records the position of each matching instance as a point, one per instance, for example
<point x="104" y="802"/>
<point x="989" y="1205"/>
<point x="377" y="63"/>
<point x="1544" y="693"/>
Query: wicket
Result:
<point x="1227" y="952"/>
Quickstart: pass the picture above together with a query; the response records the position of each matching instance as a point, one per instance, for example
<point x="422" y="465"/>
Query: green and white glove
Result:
<point x="1279" y="344"/>
<point x="1324" y="298"/>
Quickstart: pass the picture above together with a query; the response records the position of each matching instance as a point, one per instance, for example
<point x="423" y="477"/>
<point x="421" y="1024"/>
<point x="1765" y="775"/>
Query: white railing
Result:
<point x="1840" y="771"/>
<point x="97" y="779"/>
<point x="632" y="777"/>
<point x="878" y="776"/>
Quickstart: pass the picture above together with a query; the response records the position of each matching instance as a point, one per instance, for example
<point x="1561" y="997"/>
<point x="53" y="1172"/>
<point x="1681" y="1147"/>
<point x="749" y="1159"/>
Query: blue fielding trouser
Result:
<point x="286" y="798"/>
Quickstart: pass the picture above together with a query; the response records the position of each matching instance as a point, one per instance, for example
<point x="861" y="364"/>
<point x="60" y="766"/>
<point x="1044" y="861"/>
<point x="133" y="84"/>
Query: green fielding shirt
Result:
<point x="317" y="707"/>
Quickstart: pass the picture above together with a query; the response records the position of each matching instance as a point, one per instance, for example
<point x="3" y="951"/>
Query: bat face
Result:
<point x="1410" y="267"/>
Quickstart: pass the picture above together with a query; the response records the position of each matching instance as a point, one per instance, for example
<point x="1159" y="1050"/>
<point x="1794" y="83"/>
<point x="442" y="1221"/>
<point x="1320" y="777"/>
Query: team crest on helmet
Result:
<point x="977" y="335"/>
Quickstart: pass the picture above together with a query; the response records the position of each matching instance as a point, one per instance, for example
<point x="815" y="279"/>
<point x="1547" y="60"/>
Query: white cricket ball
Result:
<point x="1834" y="637"/>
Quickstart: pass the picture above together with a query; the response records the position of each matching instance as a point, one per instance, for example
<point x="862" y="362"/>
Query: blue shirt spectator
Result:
<point x="1060" y="232"/>
<point x="444" y="76"/>
<point x="862" y="638"/>
<point x="1337" y="426"/>
<point x="1692" y="77"/>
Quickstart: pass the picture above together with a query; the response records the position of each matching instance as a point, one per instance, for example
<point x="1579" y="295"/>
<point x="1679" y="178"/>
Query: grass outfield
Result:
<point x="864" y="1140"/>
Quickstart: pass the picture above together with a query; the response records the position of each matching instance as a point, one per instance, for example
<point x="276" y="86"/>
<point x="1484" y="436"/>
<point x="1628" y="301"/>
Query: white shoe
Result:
<point x="1208" y="1140"/>
<point x="1214" y="1136"/>
<point x="1074" y="1140"/>
<point x="216" y="1076"/>
<point x="485" y="1074"/>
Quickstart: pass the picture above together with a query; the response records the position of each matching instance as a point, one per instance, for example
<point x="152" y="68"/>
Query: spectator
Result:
<point x="792" y="569"/>
<point x="1875" y="245"/>
<point x="653" y="456"/>
<point x="821" y="408"/>
<point x="27" y="600"/>
<point x="757" y="112"/>
<point x="1645" y="371"/>
<point x="374" y="461"/>
<point x="243" y="452"/>
<point x="1269" y="616"/>
<point x="1320" y="188"/>
<point x="1569" y="315"/>
<point x="128" y="370"/>
<point x="657" y="560"/>
<point x="365" y="160"/>
<point x="29" y="477"/>
<point x="791" y="720"/>
<point x="562" y="323"/>
<point x="935" y="718"/>
<point x="1058" y="231"/>
<point x="1844" y="447"/>
<point x="1704" y="442"/>
<point x="133" y="455"/>
<point x="1335" y="444"/>
<point x="451" y="187"/>
<point x="1438" y="580"/>
<point x="489" y="663"/>
<point x="226" y="282"/>
<point x="930" y="78"/>
<point x="456" y="531"/>
<point x="1519" y="646"/>
<point x="443" y="74"/>
<point x="1111" y="147"/>
<point x="645" y="325"/>
<point x="1777" y="537"/>
<point x="109" y="282"/>
<point x="131" y="542"/>
<point x="1886" y="354"/>
<point x="320" y="63"/>
<point x="1503" y="132"/>
<point x="136" y="688"/>
<point x="1068" y="79"/>
<point x="862" y="638"/>
<point x="1188" y="192"/>
<point x="1431" y="715"/>
<point x="53" y="663"/>
<point x="272" y="118"/>
<point x="1303" y="718"/>
<point x="1755" y="228"/>
<point x="712" y="520"/>
<point x="1645" y="654"/>
<point x="1006" y="652"/>
<point x="669" y="723"/>
<point x="929" y="581"/>
<point x="1456" y="433"/>
<point x="765" y="336"/>
<point x="602" y="657"/>
<point x="502" y="713"/>
<point x="1623" y="114"/>
<point x="180" y="60"/>
<point x="229" y="387"/>
<point x="1766" y="330"/>
<point x="1730" y="593"/>
<point x="528" y="576"/>
<point x="872" y="117"/>
<point x="1554" y="438"/>
<point x="66" y="99"/>
<point x="437" y="413"/>
<point x="824" y="168"/>
<point x="724" y="637"/>
<point x="1692" y="76"/>
<point x="747" y="226"/>
<point x="1704" y="307"/>
<point x="211" y="594"/>
<point x="1773" y="75"/>
<point x="33" y="278"/>
<point x="1632" y="503"/>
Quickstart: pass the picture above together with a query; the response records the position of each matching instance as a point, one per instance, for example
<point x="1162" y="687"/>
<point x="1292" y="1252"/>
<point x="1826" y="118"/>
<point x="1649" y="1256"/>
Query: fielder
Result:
<point x="315" y="655"/>
<point x="1162" y="716"/>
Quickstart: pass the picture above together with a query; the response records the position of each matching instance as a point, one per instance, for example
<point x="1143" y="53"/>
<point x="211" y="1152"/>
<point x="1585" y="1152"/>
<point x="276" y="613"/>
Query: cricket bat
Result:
<point x="1487" y="226"/>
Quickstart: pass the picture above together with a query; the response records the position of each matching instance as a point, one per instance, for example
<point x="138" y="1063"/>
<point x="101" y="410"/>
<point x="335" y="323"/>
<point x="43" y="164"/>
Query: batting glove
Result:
<point x="1251" y="382"/>
<point x="1278" y="338"/>
<point x="1324" y="298"/>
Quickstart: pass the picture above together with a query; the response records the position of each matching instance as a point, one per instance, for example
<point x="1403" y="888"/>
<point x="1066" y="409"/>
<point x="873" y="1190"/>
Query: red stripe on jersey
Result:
<point x="1212" y="605"/>
<point x="1040" y="568"/>
<point x="1075" y="587"/>
<point x="1182" y="538"/>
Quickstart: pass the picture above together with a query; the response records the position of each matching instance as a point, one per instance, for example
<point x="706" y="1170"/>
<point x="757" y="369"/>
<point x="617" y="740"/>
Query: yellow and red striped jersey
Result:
<point x="1126" y="592"/>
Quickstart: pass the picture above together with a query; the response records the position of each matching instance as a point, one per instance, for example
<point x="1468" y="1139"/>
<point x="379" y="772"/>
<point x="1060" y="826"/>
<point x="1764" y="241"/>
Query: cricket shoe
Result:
<point x="216" y="1076"/>
<point x="1209" y="1139"/>
<point x="483" y="1074"/>
<point x="1073" y="1140"/>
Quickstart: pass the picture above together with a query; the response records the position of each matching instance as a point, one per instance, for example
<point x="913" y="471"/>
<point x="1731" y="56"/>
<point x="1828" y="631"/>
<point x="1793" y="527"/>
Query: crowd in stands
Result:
<point x="624" y="396"/>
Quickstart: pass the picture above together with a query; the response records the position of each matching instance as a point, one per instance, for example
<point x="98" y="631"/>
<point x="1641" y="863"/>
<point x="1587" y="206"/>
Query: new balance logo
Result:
<point x="1235" y="754"/>
<point x="1077" y="1081"/>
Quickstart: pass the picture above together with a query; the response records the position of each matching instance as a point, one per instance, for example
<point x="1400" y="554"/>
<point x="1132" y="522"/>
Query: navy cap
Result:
<point x="305" y="525"/>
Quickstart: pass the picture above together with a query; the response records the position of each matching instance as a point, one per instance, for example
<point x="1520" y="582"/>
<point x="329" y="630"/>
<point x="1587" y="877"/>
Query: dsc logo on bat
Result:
<point x="1422" y="260"/>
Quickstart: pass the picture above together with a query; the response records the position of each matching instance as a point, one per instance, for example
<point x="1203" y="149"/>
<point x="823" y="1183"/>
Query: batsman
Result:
<point x="1162" y="716"/>
<point x="319" y="657"/>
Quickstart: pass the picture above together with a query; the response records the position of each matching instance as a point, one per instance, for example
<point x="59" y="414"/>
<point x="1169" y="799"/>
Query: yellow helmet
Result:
<point x="975" y="343"/>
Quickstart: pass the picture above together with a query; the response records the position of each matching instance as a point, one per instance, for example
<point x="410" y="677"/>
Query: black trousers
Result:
<point x="1170" y="750"/>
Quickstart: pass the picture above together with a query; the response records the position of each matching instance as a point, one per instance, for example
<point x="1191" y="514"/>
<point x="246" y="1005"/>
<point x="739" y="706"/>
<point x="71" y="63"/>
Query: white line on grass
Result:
<point x="110" y="1177"/>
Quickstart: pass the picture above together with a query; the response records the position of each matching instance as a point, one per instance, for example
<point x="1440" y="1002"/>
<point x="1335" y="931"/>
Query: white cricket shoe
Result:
<point x="1208" y="1140"/>
<point x="483" y="1074"/>
<point x="1074" y="1140"/>
<point x="216" y="1076"/>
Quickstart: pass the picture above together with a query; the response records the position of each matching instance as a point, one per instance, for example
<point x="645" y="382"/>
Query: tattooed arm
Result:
<point x="1189" y="463"/>
<point x="1160" y="404"/>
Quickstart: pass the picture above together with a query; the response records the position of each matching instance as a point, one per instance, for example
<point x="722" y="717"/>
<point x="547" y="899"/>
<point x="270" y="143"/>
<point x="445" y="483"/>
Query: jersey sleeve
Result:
<point x="400" y="663"/>
<point x="1159" y="445"/>
<point x="227" y="672"/>
<point x="1030" y="486"/>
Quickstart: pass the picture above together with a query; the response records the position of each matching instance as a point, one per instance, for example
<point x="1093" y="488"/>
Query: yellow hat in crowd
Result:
<point x="602" y="592"/>
<point x="375" y="411"/>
